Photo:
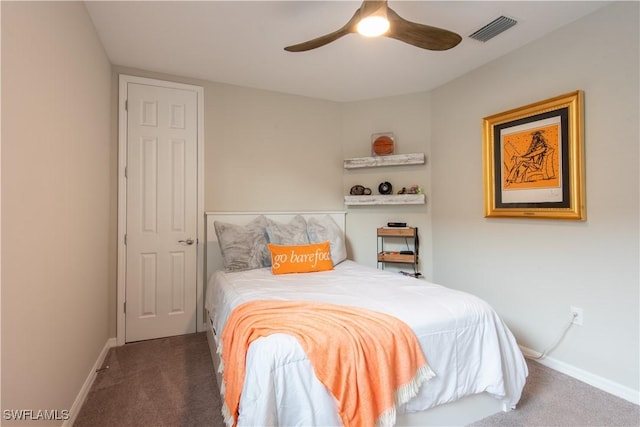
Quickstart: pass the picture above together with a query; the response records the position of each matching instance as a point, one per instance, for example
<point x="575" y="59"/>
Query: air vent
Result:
<point x="493" y="28"/>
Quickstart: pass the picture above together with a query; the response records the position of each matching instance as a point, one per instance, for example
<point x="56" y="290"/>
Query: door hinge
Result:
<point x="125" y="307"/>
<point x="125" y="172"/>
<point x="125" y="239"/>
<point x="126" y="105"/>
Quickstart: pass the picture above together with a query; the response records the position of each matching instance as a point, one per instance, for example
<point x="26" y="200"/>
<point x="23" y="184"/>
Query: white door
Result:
<point x="161" y="212"/>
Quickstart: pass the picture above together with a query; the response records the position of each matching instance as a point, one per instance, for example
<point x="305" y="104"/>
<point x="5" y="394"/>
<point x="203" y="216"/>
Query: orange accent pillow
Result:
<point x="300" y="258"/>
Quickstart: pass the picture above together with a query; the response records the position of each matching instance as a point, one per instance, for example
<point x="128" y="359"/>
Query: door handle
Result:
<point x="188" y="241"/>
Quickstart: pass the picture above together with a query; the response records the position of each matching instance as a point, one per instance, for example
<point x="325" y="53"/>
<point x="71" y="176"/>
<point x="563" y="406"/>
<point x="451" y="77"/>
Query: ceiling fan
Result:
<point x="392" y="25"/>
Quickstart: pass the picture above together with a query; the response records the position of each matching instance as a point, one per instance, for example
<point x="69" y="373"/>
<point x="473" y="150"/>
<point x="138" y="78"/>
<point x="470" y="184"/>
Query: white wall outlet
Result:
<point x="579" y="315"/>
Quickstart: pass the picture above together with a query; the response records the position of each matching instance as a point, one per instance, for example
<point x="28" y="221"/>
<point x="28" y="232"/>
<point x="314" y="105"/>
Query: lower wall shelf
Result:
<point x="391" y="199"/>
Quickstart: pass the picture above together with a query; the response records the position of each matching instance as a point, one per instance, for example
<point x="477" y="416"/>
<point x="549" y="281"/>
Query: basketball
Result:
<point x="383" y="146"/>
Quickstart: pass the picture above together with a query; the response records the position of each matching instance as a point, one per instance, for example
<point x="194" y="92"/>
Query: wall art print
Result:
<point x="533" y="160"/>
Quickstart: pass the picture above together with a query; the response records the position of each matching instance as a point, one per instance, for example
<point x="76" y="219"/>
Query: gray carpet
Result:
<point x="162" y="382"/>
<point x="170" y="382"/>
<point x="551" y="399"/>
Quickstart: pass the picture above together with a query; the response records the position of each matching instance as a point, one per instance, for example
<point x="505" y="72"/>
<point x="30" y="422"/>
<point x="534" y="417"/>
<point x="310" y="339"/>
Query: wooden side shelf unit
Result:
<point x="395" y="256"/>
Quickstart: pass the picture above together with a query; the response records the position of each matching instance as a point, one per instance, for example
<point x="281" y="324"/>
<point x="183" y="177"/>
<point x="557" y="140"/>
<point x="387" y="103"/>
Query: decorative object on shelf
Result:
<point x="382" y="144"/>
<point x="396" y="224"/>
<point x="367" y="191"/>
<point x="533" y="160"/>
<point x="385" y="188"/>
<point x="357" y="190"/>
<point x="414" y="189"/>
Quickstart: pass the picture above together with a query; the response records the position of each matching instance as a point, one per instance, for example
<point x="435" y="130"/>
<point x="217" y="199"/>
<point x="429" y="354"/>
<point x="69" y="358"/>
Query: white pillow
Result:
<point x="323" y="229"/>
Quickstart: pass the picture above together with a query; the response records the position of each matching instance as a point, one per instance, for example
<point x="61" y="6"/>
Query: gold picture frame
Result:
<point x="533" y="160"/>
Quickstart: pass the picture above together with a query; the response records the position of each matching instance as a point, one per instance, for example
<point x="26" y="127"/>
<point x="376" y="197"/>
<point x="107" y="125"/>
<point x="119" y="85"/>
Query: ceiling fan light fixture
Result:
<point x="373" y="26"/>
<point x="375" y="18"/>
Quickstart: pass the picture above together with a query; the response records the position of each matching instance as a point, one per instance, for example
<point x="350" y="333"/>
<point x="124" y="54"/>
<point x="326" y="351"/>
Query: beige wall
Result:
<point x="533" y="270"/>
<point x="55" y="206"/>
<point x="271" y="152"/>
<point x="409" y="118"/>
<point x="266" y="150"/>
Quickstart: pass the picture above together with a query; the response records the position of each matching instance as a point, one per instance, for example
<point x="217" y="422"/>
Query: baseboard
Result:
<point x="596" y="381"/>
<point x="84" y="391"/>
<point x="202" y="327"/>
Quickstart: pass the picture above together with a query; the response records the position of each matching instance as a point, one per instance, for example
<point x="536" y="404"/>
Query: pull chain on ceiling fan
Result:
<point x="422" y="36"/>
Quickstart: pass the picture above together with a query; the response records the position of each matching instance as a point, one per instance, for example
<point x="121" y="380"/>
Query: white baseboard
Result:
<point x="84" y="391"/>
<point x="201" y="327"/>
<point x="596" y="381"/>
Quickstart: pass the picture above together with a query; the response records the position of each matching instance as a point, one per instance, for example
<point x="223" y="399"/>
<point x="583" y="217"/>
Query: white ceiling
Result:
<point x="241" y="42"/>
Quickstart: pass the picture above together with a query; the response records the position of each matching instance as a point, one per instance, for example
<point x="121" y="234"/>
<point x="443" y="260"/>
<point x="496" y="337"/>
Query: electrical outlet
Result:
<point x="579" y="315"/>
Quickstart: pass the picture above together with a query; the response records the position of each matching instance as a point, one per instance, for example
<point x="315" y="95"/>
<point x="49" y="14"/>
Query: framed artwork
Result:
<point x="533" y="160"/>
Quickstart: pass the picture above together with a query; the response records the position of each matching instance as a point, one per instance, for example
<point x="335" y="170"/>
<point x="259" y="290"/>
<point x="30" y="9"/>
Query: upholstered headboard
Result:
<point x="213" y="255"/>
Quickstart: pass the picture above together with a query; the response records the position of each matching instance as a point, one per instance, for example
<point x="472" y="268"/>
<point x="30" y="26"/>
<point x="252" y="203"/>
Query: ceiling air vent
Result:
<point x="493" y="28"/>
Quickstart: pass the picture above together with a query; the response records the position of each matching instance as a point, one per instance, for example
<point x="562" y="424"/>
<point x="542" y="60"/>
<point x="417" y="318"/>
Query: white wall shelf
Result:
<point x="391" y="160"/>
<point x="391" y="199"/>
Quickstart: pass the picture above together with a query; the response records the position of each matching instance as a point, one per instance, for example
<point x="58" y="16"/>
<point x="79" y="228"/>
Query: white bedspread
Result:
<point x="464" y="340"/>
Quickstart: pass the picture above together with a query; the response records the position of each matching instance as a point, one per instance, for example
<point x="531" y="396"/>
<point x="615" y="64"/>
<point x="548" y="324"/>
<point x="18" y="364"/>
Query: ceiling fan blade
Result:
<point x="373" y="7"/>
<point x="348" y="28"/>
<point x="420" y="35"/>
<point x="317" y="42"/>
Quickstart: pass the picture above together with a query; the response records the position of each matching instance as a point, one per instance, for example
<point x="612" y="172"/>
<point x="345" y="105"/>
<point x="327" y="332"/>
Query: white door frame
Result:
<point x="122" y="199"/>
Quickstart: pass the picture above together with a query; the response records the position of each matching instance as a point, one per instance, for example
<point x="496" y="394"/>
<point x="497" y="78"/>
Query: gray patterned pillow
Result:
<point x="243" y="247"/>
<point x="323" y="229"/>
<point x="293" y="233"/>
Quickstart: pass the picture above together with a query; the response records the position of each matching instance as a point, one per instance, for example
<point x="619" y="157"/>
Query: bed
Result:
<point x="479" y="369"/>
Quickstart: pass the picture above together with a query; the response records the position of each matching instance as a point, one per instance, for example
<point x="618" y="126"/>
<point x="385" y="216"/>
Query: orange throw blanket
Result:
<point x="369" y="361"/>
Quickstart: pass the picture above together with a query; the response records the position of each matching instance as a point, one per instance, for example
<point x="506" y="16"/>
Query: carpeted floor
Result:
<point x="170" y="382"/>
<point x="162" y="382"/>
<point x="551" y="399"/>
